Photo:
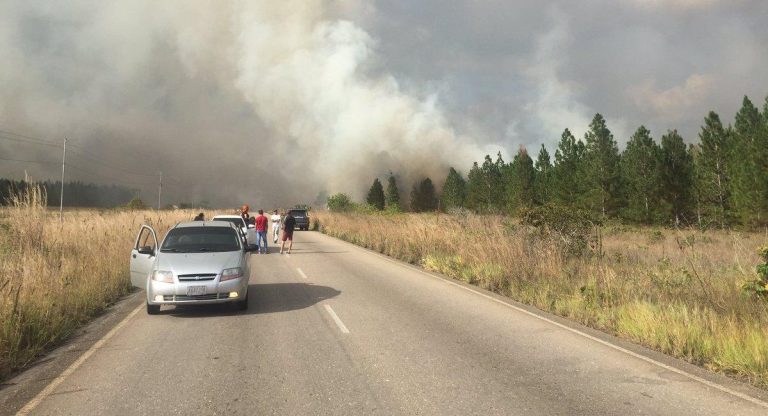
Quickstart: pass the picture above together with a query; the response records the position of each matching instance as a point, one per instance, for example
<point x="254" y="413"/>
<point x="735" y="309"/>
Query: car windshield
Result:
<point x="200" y="239"/>
<point x="298" y="212"/>
<point x="237" y="221"/>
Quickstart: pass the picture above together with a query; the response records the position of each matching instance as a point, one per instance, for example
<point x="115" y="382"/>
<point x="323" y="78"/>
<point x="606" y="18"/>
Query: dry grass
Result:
<point x="56" y="276"/>
<point x="675" y="291"/>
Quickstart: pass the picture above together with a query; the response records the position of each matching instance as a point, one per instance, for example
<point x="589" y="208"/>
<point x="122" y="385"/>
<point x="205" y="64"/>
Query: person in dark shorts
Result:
<point x="289" y="223"/>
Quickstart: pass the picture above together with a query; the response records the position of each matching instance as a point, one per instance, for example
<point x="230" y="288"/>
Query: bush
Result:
<point x="759" y="287"/>
<point x="340" y="203"/>
<point x="573" y="228"/>
<point x="136" y="203"/>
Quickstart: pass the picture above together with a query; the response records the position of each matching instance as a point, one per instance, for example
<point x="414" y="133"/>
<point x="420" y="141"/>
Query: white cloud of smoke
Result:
<point x="243" y="101"/>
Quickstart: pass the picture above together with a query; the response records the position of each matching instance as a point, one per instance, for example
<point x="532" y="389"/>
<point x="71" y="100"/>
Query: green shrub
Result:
<point x="340" y="203"/>
<point x="759" y="287"/>
<point x="573" y="229"/>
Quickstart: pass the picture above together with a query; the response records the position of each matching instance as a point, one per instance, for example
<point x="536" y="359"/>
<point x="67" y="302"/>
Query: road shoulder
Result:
<point x="24" y="386"/>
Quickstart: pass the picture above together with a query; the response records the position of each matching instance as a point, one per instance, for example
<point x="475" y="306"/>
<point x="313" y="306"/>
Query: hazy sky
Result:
<point x="273" y="102"/>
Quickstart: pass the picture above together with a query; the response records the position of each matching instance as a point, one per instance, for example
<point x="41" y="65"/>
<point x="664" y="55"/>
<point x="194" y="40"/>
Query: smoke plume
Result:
<point x="262" y="102"/>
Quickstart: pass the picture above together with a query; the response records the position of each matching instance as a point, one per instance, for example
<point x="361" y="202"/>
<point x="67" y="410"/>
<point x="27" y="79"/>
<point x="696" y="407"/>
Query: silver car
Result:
<point x="248" y="230"/>
<point x="197" y="263"/>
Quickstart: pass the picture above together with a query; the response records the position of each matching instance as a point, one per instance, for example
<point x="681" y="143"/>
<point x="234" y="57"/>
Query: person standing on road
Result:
<point x="244" y="214"/>
<point x="276" y="219"/>
<point x="261" y="230"/>
<point x="289" y="223"/>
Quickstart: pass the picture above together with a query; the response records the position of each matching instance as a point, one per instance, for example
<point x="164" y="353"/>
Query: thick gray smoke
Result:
<point x="272" y="102"/>
<point x="261" y="101"/>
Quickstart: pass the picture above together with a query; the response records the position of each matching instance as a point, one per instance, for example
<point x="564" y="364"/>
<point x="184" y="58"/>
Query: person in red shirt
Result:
<point x="261" y="230"/>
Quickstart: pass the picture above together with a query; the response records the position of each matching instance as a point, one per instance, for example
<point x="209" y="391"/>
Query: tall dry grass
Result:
<point x="676" y="291"/>
<point x="55" y="276"/>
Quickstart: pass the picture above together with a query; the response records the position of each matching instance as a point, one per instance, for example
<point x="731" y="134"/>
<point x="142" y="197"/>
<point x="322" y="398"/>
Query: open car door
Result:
<point x="143" y="256"/>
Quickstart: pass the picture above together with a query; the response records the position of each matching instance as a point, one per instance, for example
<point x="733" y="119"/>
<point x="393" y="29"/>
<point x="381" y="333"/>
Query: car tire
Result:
<point x="243" y="304"/>
<point x="153" y="309"/>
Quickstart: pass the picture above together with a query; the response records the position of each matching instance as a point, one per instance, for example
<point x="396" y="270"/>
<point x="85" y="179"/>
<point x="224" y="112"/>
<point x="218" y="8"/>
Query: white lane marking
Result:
<point x="693" y="377"/>
<point x="336" y="319"/>
<point x="71" y="369"/>
<point x="303" y="276"/>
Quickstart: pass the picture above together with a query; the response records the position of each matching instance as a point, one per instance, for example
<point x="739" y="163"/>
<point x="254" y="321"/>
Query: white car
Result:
<point x="248" y="230"/>
<point x="198" y="262"/>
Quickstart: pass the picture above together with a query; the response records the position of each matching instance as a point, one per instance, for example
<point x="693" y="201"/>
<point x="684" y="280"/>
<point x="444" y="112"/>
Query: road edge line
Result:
<point x="32" y="404"/>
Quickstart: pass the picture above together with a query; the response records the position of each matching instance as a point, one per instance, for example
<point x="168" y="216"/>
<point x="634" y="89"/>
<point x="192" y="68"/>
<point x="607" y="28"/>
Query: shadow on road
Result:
<point x="262" y="298"/>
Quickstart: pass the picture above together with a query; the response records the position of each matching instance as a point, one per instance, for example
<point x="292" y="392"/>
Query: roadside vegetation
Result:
<point x="697" y="295"/>
<point x="55" y="276"/>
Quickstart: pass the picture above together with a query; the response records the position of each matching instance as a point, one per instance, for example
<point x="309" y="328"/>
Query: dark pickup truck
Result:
<point x="302" y="218"/>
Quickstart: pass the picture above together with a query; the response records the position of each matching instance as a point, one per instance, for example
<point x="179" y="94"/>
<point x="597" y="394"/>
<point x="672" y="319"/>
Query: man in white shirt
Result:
<point x="275" y="219"/>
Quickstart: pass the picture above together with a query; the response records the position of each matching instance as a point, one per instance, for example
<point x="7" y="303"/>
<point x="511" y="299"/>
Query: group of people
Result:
<point x="284" y="222"/>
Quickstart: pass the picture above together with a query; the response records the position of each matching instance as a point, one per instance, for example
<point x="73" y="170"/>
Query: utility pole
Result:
<point x="159" y="189"/>
<point x="61" y="196"/>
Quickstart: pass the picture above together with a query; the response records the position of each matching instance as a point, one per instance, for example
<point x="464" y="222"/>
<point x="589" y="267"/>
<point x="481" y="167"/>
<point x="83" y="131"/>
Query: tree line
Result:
<point x="76" y="194"/>
<point x="720" y="181"/>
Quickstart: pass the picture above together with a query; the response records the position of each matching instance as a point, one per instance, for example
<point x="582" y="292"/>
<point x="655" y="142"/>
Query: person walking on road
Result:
<point x="289" y="223"/>
<point x="261" y="230"/>
<point x="276" y="219"/>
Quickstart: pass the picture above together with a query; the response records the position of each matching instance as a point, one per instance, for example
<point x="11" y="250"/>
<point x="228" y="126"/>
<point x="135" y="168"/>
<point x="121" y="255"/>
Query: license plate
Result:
<point x="195" y="290"/>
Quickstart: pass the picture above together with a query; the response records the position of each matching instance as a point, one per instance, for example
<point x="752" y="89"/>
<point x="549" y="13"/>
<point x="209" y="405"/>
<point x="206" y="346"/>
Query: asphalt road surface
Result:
<point x="333" y="329"/>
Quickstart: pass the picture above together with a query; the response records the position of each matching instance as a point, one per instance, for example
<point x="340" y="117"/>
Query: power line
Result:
<point x="30" y="161"/>
<point x="23" y="136"/>
<point x="108" y="165"/>
<point x="86" y="171"/>
<point x="79" y="152"/>
<point x="39" y="143"/>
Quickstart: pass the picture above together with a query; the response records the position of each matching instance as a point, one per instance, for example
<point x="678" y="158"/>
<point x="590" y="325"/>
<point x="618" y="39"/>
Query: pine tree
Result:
<point x="376" y="195"/>
<point x="569" y="158"/>
<point x="641" y="177"/>
<point x="713" y="179"/>
<point x="519" y="182"/>
<point x="601" y="169"/>
<point x="485" y="190"/>
<point x="748" y="161"/>
<point x="454" y="191"/>
<point x="423" y="198"/>
<point x="543" y="179"/>
<point x="677" y="176"/>
<point x="392" y="197"/>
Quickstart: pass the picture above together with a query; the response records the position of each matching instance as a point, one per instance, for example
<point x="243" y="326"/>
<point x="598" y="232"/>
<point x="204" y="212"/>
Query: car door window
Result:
<point x="146" y="238"/>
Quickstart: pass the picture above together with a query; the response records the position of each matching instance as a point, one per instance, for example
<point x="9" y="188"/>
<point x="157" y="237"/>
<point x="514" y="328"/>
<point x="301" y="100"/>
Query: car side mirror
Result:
<point x="147" y="250"/>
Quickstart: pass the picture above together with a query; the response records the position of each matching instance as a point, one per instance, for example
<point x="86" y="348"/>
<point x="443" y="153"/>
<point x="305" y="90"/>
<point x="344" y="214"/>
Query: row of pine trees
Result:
<point x="721" y="181"/>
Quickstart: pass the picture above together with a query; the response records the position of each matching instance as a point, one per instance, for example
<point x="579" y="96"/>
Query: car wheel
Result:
<point x="153" y="309"/>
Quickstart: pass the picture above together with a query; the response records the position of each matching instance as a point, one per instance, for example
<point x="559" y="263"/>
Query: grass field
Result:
<point x="678" y="292"/>
<point x="54" y="277"/>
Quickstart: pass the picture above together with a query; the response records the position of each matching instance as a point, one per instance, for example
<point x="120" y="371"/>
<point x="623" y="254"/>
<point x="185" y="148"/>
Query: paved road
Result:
<point x="334" y="329"/>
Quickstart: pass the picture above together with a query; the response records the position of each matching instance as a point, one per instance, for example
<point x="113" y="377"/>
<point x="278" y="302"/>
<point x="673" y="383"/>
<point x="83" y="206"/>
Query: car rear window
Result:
<point x="298" y="213"/>
<point x="201" y="239"/>
<point x="237" y="221"/>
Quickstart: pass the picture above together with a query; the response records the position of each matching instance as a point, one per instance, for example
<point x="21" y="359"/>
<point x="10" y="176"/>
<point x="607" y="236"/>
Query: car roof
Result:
<point x="204" y="224"/>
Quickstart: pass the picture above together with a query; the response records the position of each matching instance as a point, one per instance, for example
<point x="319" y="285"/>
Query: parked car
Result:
<point x="248" y="230"/>
<point x="302" y="218"/>
<point x="197" y="263"/>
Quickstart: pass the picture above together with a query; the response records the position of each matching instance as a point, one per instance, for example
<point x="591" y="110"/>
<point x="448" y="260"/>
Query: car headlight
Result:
<point x="229" y="274"/>
<point x="162" y="276"/>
